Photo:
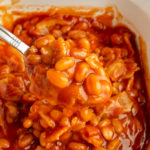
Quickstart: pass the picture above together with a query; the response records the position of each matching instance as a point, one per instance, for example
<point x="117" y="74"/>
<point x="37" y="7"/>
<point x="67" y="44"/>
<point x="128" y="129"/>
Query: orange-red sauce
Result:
<point x="82" y="88"/>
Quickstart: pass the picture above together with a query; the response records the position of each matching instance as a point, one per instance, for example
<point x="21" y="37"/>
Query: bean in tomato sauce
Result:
<point x="82" y="88"/>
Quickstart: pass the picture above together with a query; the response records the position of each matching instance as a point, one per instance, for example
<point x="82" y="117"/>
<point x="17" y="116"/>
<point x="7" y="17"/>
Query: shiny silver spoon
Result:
<point x="14" y="41"/>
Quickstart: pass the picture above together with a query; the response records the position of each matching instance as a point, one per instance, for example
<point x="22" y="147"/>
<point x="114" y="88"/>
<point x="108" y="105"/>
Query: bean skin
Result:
<point x="57" y="78"/>
<point x="93" y="85"/>
<point x="81" y="71"/>
<point x="64" y="63"/>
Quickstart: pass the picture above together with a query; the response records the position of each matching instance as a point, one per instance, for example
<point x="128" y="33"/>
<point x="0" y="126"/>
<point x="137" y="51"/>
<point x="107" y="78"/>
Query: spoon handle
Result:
<point x="13" y="40"/>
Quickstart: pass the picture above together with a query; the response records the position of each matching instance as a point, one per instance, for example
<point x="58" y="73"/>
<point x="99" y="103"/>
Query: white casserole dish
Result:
<point x="135" y="17"/>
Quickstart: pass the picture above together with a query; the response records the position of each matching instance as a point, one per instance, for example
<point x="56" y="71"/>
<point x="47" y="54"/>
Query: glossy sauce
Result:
<point x="82" y="88"/>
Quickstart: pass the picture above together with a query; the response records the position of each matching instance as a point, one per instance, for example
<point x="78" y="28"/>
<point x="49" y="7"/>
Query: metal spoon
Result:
<point x="14" y="41"/>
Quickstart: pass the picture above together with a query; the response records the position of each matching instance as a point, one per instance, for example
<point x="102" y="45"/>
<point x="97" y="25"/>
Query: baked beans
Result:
<point x="82" y="88"/>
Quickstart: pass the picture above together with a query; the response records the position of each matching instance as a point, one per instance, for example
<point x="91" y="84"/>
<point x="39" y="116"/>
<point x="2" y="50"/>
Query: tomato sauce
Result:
<point x="80" y="87"/>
